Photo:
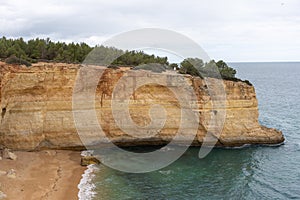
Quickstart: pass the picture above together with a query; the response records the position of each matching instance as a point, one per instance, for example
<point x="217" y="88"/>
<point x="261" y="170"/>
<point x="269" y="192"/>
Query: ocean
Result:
<point x="251" y="172"/>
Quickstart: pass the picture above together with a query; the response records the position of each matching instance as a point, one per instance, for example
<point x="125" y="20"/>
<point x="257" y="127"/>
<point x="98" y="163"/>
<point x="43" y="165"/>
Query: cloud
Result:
<point x="233" y="30"/>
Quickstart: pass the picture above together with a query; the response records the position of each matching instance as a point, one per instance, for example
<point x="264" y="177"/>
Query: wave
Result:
<point x="87" y="153"/>
<point x="238" y="147"/>
<point x="166" y="148"/>
<point x="86" y="187"/>
<point x="253" y="145"/>
<point x="166" y="172"/>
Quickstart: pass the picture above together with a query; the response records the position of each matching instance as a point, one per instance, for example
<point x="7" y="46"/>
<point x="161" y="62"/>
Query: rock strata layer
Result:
<point x="36" y="109"/>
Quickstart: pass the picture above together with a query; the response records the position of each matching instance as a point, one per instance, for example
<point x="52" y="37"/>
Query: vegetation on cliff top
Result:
<point x="18" y="51"/>
<point x="36" y="50"/>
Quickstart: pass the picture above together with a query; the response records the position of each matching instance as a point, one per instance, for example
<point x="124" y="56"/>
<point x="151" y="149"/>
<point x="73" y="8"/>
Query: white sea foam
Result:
<point x="87" y="153"/>
<point x="274" y="145"/>
<point x="251" y="145"/>
<point x="239" y="147"/>
<point x="86" y="187"/>
<point x="167" y="149"/>
<point x="165" y="172"/>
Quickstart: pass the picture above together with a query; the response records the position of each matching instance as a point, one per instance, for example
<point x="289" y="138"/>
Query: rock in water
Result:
<point x="88" y="160"/>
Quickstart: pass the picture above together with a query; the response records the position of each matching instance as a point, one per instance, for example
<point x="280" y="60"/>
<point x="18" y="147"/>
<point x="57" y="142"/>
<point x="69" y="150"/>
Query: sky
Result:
<point x="232" y="30"/>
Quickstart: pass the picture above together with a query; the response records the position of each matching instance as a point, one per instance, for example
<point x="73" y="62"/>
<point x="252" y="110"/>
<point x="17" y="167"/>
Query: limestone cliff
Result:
<point x="36" y="109"/>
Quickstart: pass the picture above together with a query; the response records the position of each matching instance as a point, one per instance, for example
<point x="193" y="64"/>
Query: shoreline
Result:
<point x="86" y="186"/>
<point x="51" y="175"/>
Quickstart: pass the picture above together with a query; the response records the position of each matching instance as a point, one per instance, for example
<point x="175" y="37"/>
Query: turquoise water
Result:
<point x="254" y="172"/>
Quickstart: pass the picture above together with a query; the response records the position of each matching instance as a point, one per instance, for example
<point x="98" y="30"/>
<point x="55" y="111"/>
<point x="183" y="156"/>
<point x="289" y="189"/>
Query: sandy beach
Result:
<point x="51" y="175"/>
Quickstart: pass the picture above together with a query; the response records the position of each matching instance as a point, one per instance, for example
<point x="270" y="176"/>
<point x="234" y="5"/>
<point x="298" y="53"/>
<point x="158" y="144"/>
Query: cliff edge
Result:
<point x="36" y="109"/>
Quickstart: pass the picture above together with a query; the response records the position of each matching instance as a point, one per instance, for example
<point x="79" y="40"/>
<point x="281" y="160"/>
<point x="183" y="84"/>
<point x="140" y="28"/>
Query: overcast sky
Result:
<point x="232" y="30"/>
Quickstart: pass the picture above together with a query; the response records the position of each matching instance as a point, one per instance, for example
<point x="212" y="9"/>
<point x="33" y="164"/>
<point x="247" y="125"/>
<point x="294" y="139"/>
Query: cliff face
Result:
<point x="36" y="109"/>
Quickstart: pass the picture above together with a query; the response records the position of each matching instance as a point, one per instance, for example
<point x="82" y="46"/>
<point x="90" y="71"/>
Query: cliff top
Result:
<point x="52" y="66"/>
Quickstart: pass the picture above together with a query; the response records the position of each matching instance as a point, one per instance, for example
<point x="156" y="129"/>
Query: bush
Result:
<point x="248" y="82"/>
<point x="113" y="67"/>
<point x="220" y="69"/>
<point x="19" y="61"/>
<point x="189" y="69"/>
<point x="237" y="80"/>
<point x="154" y="67"/>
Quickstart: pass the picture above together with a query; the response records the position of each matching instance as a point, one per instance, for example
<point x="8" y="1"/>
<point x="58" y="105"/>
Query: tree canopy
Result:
<point x="35" y="50"/>
<point x="196" y="67"/>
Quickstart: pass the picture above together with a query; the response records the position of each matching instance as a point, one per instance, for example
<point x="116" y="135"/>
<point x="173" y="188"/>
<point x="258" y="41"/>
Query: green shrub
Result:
<point x="154" y="67"/>
<point x="19" y="61"/>
<point x="113" y="67"/>
<point x="220" y="69"/>
<point x="248" y="82"/>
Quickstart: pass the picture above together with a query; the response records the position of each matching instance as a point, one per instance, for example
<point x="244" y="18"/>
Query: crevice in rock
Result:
<point x="101" y="102"/>
<point x="44" y="144"/>
<point x="3" y="113"/>
<point x="222" y="144"/>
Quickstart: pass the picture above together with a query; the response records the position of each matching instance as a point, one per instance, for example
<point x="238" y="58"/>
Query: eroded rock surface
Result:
<point x="36" y="109"/>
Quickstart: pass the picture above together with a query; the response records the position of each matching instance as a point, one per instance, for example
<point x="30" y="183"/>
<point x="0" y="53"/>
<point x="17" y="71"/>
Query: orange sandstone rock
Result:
<point x="36" y="109"/>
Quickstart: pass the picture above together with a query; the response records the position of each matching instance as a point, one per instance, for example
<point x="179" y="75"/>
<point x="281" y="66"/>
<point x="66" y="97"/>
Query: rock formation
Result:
<point x="36" y="109"/>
